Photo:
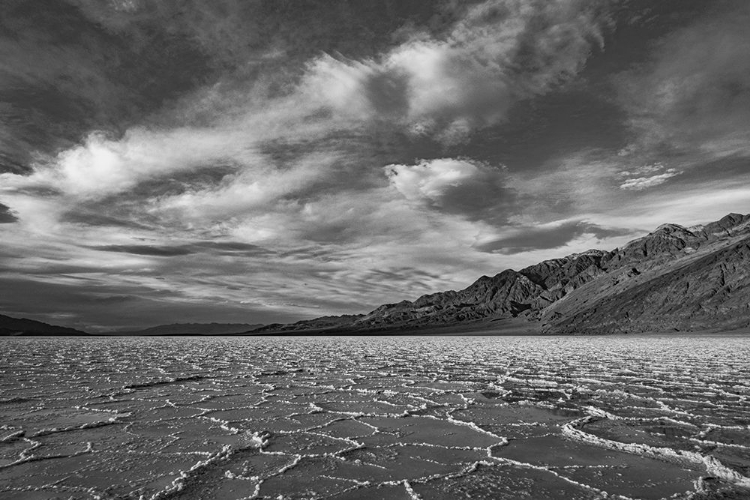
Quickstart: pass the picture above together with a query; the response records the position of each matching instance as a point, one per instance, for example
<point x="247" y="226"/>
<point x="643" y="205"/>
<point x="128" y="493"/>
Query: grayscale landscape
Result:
<point x="375" y="249"/>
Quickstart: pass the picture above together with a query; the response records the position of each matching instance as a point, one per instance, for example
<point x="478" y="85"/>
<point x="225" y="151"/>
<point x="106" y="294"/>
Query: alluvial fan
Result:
<point x="376" y="418"/>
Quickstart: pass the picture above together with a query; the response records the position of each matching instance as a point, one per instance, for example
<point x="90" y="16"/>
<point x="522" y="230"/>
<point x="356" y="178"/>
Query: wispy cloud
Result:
<point x="496" y="53"/>
<point x="646" y="176"/>
<point x="551" y="235"/>
<point x="157" y="251"/>
<point x="639" y="183"/>
<point x="501" y="51"/>
<point x="693" y="93"/>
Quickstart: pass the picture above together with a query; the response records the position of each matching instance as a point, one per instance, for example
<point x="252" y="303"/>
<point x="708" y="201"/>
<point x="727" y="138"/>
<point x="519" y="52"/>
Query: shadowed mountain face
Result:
<point x="674" y="278"/>
<point x="26" y="327"/>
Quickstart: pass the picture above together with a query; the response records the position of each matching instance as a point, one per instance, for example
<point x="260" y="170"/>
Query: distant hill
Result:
<point x="15" y="327"/>
<point x="673" y="279"/>
<point x="194" y="329"/>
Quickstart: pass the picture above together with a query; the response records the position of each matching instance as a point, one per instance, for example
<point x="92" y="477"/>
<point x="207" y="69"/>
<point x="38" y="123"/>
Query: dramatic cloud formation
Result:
<point x="501" y="51"/>
<point x="281" y="159"/>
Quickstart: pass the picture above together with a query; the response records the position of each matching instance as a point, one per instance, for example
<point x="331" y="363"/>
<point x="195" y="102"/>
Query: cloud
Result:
<point x="639" y="183"/>
<point x="643" y="170"/>
<point x="250" y="191"/>
<point x="81" y="215"/>
<point x="693" y="93"/>
<point x="219" y="178"/>
<point x="567" y="186"/>
<point x="233" y="248"/>
<point x="499" y="52"/>
<point x="549" y="236"/>
<point x="76" y="66"/>
<point x="104" y="166"/>
<point x="157" y="251"/>
<point x="6" y="215"/>
<point x="218" y="157"/>
<point x="458" y="186"/>
<point x="646" y="176"/>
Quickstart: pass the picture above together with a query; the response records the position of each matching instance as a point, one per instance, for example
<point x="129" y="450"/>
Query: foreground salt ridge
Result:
<point x="713" y="466"/>
<point x="392" y="418"/>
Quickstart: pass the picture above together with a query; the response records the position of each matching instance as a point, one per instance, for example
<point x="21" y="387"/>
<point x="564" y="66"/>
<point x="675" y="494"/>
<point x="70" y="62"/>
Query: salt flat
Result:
<point x="386" y="417"/>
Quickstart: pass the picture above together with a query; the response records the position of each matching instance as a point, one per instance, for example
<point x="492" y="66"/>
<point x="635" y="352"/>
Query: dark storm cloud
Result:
<point x="6" y="215"/>
<point x="541" y="238"/>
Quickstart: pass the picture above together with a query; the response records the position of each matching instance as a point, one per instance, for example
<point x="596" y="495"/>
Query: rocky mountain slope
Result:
<point x="26" y="327"/>
<point x="674" y="278"/>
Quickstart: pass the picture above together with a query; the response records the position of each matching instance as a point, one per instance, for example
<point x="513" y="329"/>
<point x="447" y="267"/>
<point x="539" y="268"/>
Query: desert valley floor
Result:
<point x="374" y="418"/>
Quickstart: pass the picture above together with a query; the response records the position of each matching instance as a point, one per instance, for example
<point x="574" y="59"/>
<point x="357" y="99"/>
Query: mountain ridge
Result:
<point x="21" y="327"/>
<point x="672" y="279"/>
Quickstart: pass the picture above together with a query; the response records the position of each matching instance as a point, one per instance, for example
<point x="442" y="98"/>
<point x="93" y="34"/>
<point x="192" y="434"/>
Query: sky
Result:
<point x="266" y="161"/>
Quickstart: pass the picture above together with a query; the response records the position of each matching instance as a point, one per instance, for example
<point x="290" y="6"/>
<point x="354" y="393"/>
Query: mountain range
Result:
<point x="15" y="327"/>
<point x="673" y="279"/>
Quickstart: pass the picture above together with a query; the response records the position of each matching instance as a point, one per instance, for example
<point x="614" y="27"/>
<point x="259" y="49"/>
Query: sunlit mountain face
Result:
<point x="278" y="160"/>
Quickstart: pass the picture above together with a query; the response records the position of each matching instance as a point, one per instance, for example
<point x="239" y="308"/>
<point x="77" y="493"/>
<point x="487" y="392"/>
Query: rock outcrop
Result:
<point x="674" y="278"/>
<point x="712" y="292"/>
